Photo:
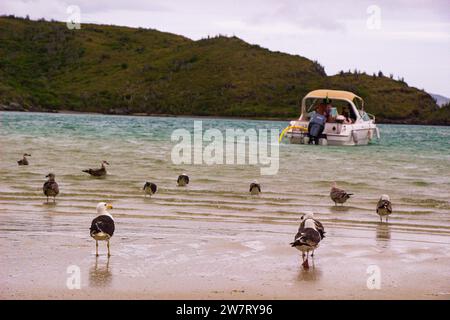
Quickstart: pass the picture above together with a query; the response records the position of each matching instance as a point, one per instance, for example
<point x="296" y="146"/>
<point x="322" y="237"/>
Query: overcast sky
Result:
<point x="408" y="38"/>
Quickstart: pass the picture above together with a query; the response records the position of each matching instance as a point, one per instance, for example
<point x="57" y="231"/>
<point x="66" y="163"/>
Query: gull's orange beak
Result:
<point x="109" y="206"/>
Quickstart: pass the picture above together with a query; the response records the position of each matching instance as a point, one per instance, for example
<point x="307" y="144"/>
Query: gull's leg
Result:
<point x="312" y="254"/>
<point x="305" y="263"/>
<point x="107" y="244"/>
<point x="303" y="256"/>
<point x="381" y="219"/>
<point x="387" y="218"/>
<point x="96" y="248"/>
<point x="47" y="199"/>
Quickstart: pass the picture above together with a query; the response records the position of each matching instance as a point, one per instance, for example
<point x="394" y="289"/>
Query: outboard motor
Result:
<point x="315" y="127"/>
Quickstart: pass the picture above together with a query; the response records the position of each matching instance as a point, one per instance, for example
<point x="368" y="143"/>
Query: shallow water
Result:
<point x="410" y="163"/>
<point x="214" y="224"/>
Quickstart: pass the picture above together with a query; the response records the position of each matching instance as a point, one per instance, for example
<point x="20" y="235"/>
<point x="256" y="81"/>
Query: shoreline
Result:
<point x="166" y="115"/>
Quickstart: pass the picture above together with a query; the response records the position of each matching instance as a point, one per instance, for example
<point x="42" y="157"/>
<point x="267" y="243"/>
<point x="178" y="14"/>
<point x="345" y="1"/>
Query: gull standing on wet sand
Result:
<point x="24" y="160"/>
<point x="255" y="188"/>
<point x="150" y="188"/>
<point x="182" y="180"/>
<point x="51" y="188"/>
<point x="101" y="172"/>
<point x="384" y="207"/>
<point x="307" y="239"/>
<point x="338" y="195"/>
<point x="102" y="228"/>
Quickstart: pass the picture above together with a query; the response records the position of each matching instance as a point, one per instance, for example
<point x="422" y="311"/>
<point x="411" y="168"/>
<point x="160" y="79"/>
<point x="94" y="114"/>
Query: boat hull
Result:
<point x="336" y="134"/>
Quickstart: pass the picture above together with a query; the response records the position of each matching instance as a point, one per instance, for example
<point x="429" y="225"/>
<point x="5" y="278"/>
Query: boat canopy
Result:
<point x="336" y="95"/>
<point x="333" y="94"/>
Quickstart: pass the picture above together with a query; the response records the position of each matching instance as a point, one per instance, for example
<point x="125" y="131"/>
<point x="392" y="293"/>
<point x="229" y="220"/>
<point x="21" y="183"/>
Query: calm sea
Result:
<point x="409" y="163"/>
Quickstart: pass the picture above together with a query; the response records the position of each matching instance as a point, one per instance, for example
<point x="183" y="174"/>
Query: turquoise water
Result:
<point x="410" y="163"/>
<point x="419" y="140"/>
<point x="212" y="239"/>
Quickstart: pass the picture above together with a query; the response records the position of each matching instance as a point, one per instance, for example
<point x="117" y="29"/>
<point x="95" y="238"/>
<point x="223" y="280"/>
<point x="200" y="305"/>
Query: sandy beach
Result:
<point x="212" y="240"/>
<point x="196" y="260"/>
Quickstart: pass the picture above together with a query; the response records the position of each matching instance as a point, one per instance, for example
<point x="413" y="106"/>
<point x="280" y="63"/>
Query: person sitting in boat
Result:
<point x="328" y="109"/>
<point x="346" y="114"/>
<point x="317" y="124"/>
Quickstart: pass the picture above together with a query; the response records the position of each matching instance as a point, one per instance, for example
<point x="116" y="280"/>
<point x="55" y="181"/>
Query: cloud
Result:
<point x="56" y="9"/>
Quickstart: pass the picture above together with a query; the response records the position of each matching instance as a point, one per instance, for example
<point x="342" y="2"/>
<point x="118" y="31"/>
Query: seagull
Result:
<point x="150" y="188"/>
<point x="102" y="227"/>
<point x="183" y="180"/>
<point x="98" y="172"/>
<point x="338" y="195"/>
<point x="255" y="188"/>
<point x="50" y="187"/>
<point x="384" y="207"/>
<point x="24" y="160"/>
<point x="309" y="234"/>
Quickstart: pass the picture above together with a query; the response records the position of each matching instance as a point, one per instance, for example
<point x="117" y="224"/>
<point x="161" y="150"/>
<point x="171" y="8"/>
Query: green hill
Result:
<point x="111" y="69"/>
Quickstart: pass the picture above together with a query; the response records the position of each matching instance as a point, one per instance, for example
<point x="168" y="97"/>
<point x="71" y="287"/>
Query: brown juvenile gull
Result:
<point x="98" y="172"/>
<point x="255" y="188"/>
<point x="384" y="207"/>
<point x="50" y="187"/>
<point x="102" y="227"/>
<point x="150" y="188"/>
<point x="182" y="180"/>
<point x="307" y="239"/>
<point x="338" y="195"/>
<point x="24" y="160"/>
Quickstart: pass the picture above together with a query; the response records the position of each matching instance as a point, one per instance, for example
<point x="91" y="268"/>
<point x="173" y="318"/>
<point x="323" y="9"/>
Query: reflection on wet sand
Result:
<point x="339" y="208"/>
<point x="383" y="231"/>
<point x="100" y="276"/>
<point x="383" y="234"/>
<point x="49" y="204"/>
<point x="312" y="274"/>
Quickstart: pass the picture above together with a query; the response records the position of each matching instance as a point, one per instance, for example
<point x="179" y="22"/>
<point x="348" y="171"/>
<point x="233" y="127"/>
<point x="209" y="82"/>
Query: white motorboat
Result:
<point x="344" y="121"/>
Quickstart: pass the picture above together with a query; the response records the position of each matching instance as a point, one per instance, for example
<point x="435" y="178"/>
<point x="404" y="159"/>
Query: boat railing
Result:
<point x="371" y="116"/>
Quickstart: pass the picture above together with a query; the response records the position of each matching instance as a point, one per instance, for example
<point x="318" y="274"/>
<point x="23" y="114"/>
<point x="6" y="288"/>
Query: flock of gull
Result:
<point x="307" y="239"/>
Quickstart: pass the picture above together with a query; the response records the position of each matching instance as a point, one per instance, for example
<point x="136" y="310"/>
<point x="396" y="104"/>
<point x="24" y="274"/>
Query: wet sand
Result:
<point x="196" y="260"/>
<point x="211" y="239"/>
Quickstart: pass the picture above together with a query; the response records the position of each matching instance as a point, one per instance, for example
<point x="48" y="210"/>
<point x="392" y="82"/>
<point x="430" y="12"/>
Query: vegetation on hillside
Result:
<point x="111" y="69"/>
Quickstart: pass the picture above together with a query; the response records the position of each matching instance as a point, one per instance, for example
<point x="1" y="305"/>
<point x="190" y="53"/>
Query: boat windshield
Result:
<point x="364" y="115"/>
